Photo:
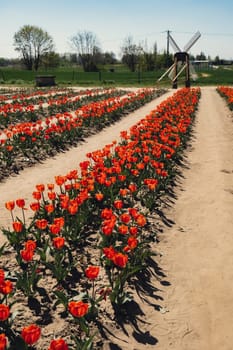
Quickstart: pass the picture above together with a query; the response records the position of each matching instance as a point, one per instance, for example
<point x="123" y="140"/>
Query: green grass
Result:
<point x="121" y="76"/>
<point x="220" y="76"/>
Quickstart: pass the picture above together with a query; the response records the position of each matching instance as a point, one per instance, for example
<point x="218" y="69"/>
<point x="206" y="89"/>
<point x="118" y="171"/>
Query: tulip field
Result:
<point x="89" y="234"/>
<point x="33" y="129"/>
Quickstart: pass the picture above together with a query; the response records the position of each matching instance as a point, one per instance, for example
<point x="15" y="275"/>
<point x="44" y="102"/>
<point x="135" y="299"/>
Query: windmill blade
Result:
<point x="167" y="71"/>
<point x="192" y="72"/>
<point x="192" y="41"/>
<point x="174" y="44"/>
<point x="180" y="71"/>
<point x="173" y="71"/>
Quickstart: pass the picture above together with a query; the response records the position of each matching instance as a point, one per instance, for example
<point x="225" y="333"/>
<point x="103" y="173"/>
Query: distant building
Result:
<point x="201" y="64"/>
<point x="227" y="62"/>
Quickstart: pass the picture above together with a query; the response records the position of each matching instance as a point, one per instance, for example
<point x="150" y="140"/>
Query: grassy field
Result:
<point x="118" y="77"/>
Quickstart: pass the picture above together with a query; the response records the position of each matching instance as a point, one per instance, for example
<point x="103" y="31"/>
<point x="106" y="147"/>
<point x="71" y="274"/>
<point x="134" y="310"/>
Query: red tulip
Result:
<point x="133" y="230"/>
<point x="132" y="242"/>
<point x="27" y="255"/>
<point x="36" y="195"/>
<point x="50" y="187"/>
<point x="6" y="287"/>
<point x="20" y="203"/>
<point x="120" y="259"/>
<point x="41" y="224"/>
<point x="54" y="229"/>
<point x="4" y="312"/>
<point x="99" y="196"/>
<point x="92" y="272"/>
<point x="58" y="242"/>
<point x="78" y="308"/>
<point x="2" y="275"/>
<point x="40" y="187"/>
<point x="31" y="334"/>
<point x="10" y="205"/>
<point x="109" y="252"/>
<point x="59" y="221"/>
<point x="35" y="206"/>
<point x="17" y="226"/>
<point x="118" y="204"/>
<point x="58" y="344"/>
<point x="123" y="229"/>
<point x="125" y="218"/>
<point x="30" y="245"/>
<point x="3" y="341"/>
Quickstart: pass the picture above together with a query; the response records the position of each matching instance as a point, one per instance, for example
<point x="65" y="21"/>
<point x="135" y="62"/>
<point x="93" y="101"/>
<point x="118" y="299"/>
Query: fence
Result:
<point x="73" y="76"/>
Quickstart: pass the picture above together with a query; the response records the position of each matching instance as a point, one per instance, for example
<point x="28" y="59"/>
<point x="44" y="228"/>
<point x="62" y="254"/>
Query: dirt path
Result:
<point x="198" y="249"/>
<point x="192" y="307"/>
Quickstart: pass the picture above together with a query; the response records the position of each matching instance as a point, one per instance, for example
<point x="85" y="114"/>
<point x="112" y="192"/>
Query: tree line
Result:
<point x="36" y="49"/>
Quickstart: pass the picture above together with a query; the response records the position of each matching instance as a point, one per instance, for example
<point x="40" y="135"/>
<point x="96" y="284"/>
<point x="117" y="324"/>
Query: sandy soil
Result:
<point x="191" y="306"/>
<point x="198" y="249"/>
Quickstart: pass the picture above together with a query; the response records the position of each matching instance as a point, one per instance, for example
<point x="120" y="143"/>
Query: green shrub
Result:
<point x="108" y="81"/>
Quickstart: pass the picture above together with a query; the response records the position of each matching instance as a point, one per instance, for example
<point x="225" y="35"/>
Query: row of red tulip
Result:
<point x="24" y="93"/>
<point x="227" y="93"/>
<point x="34" y="109"/>
<point x="26" y="143"/>
<point x="92" y="109"/>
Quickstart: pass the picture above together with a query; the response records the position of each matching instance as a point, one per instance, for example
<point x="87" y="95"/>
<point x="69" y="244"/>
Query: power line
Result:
<point x="204" y="33"/>
<point x="219" y="34"/>
<point x="134" y="36"/>
<point x="146" y="35"/>
<point x="170" y="31"/>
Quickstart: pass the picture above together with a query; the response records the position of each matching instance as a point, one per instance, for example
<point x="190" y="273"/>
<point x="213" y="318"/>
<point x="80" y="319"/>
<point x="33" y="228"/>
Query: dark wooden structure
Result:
<point x="182" y="57"/>
<point x="45" y="80"/>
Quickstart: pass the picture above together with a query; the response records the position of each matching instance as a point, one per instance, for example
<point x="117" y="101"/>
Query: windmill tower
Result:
<point x="181" y="62"/>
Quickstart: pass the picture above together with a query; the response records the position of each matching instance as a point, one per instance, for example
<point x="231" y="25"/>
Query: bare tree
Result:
<point x="131" y="53"/>
<point x="33" y="43"/>
<point x="87" y="46"/>
<point x="50" y="60"/>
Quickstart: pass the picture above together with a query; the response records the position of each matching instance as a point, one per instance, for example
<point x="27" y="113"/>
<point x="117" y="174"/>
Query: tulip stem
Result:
<point x="12" y="216"/>
<point x="93" y="289"/>
<point x="24" y="221"/>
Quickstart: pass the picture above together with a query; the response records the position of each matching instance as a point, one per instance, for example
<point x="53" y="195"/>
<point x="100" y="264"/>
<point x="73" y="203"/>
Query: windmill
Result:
<point x="181" y="61"/>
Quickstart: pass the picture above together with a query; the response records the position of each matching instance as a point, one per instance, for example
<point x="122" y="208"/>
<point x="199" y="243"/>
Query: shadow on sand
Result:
<point x="148" y="285"/>
<point x="130" y="319"/>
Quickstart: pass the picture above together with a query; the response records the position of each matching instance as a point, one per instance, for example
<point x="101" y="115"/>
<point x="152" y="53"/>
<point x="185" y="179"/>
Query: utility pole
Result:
<point x="168" y="36"/>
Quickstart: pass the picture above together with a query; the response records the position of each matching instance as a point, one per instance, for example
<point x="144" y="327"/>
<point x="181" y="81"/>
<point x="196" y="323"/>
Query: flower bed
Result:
<point x="89" y="233"/>
<point x="33" y="109"/>
<point x="21" y="94"/>
<point x="227" y="93"/>
<point x="27" y="143"/>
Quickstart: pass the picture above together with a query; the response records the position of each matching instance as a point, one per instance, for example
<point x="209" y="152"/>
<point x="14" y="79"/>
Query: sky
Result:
<point x="112" y="21"/>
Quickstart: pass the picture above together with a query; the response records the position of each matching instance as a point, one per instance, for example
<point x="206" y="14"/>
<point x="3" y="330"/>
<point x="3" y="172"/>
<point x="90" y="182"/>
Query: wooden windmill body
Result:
<point x="181" y="62"/>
